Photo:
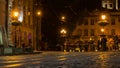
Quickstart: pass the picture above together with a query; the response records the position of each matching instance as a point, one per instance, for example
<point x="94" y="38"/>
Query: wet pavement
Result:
<point x="63" y="60"/>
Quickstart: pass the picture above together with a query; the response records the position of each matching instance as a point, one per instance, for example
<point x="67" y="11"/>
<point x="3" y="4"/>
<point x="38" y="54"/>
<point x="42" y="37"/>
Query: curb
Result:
<point x="25" y="53"/>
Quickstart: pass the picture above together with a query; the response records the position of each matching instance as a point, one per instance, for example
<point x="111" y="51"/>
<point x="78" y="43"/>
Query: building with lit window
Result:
<point x="24" y="34"/>
<point x="3" y="21"/>
<point x="88" y="26"/>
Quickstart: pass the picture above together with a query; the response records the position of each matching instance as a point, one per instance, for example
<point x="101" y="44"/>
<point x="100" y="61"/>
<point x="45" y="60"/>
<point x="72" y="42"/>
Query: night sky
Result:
<point x="71" y="9"/>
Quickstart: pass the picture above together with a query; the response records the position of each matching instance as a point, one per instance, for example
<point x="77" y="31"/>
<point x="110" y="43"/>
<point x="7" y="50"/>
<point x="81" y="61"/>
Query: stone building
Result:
<point x="88" y="28"/>
<point x="25" y="33"/>
<point x="3" y="23"/>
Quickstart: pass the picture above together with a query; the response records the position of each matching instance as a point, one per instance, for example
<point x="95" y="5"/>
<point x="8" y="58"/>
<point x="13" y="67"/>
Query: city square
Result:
<point x="59" y="34"/>
<point x="53" y="59"/>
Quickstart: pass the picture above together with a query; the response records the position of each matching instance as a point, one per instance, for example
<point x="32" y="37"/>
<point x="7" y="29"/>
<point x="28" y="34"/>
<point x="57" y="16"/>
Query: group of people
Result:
<point x="103" y="44"/>
<point x="108" y="44"/>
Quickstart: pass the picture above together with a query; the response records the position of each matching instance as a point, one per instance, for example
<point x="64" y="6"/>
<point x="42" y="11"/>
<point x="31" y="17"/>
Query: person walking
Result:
<point x="110" y="44"/>
<point x="103" y="43"/>
<point x="99" y="44"/>
<point x="115" y="38"/>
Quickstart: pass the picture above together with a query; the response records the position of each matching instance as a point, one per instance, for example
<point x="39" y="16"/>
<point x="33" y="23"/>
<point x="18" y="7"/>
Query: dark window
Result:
<point x="92" y="32"/>
<point x="13" y="4"/>
<point x="86" y="32"/>
<point x="86" y="22"/>
<point x="79" y="32"/>
<point x="96" y="20"/>
<point x="119" y="18"/>
<point x="105" y="5"/>
<point x="112" y="31"/>
<point x="112" y="21"/>
<point x="79" y="23"/>
<point x="111" y="5"/>
<point x="92" y="21"/>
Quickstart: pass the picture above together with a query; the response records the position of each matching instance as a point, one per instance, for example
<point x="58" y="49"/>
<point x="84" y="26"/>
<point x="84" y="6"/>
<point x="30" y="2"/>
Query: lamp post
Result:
<point x="63" y="35"/>
<point x="63" y="20"/>
<point x="15" y="23"/>
<point x="103" y="22"/>
<point x="63" y="32"/>
<point x="39" y="24"/>
<point x="102" y="30"/>
<point x="38" y="31"/>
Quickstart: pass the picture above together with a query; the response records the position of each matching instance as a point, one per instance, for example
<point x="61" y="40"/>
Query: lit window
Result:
<point x="112" y="32"/>
<point x="105" y="5"/>
<point x="111" y="5"/>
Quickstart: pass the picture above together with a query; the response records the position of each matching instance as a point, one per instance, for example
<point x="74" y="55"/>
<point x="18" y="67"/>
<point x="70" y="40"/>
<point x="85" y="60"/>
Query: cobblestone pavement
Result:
<point x="63" y="60"/>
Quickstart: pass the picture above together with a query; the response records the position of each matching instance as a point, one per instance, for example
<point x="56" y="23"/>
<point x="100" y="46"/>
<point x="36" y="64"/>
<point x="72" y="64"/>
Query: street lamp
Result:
<point x="63" y="35"/>
<point x="63" y="19"/>
<point x="15" y="23"/>
<point x="103" y="22"/>
<point x="103" y="17"/>
<point x="15" y="14"/>
<point x="38" y="31"/>
<point x="102" y="30"/>
<point x="63" y="32"/>
<point x="38" y="13"/>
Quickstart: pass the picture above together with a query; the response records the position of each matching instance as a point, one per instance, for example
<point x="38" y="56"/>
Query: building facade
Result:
<point x="24" y="34"/>
<point x="90" y="29"/>
<point x="3" y="25"/>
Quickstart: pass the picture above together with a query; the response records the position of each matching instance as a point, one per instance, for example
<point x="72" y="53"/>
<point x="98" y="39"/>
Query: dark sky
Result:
<point x="70" y="8"/>
<point x="78" y="5"/>
<point x="52" y="11"/>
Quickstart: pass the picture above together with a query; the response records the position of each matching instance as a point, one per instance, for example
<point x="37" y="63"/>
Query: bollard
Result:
<point x="64" y="50"/>
<point x="70" y="50"/>
<point x="82" y="50"/>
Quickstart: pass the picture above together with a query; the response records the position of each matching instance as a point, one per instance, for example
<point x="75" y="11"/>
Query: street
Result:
<point x="62" y="60"/>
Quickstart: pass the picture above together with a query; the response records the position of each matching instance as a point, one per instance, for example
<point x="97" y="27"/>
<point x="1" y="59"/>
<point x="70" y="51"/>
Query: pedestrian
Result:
<point x="103" y="43"/>
<point x="91" y="45"/>
<point x="99" y="44"/>
<point x="115" y="38"/>
<point x="110" y="44"/>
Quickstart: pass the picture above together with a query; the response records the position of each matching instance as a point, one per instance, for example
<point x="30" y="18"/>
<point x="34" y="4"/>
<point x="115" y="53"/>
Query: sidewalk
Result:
<point x="16" y="51"/>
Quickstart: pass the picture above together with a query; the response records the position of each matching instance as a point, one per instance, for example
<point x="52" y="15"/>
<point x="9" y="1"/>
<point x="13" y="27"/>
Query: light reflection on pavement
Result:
<point x="63" y="60"/>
